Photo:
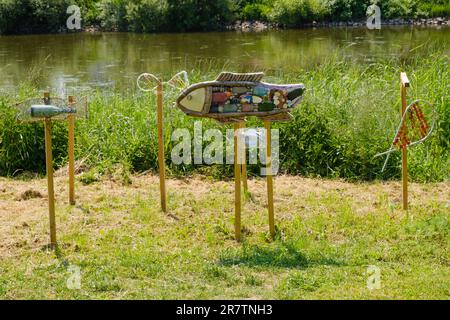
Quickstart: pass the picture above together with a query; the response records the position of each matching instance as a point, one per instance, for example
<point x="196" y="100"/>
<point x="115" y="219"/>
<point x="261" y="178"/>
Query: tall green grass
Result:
<point x="349" y="114"/>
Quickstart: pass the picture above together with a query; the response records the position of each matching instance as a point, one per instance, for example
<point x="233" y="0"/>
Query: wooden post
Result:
<point x="71" y="129"/>
<point x="162" y="171"/>
<point x="237" y="186"/>
<point x="404" y="84"/>
<point x="49" y="167"/>
<point x="244" y="163"/>
<point x="269" y="177"/>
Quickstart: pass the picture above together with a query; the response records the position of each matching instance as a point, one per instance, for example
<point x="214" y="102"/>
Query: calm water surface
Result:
<point x="115" y="59"/>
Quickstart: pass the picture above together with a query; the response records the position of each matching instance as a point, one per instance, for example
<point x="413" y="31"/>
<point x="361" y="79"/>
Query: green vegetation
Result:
<point x="125" y="248"/>
<point x="37" y="16"/>
<point x="349" y="114"/>
<point x="328" y="231"/>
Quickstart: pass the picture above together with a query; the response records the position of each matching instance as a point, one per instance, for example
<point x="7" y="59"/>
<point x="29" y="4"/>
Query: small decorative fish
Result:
<point x="234" y="96"/>
<point x="56" y="108"/>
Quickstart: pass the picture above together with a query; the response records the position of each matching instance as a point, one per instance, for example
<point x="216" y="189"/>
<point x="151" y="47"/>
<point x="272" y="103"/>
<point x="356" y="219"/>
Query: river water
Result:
<point x="103" y="60"/>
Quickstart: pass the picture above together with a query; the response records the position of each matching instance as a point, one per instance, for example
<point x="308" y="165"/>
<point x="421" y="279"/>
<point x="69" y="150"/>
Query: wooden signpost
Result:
<point x="71" y="152"/>
<point x="414" y="129"/>
<point x="244" y="163"/>
<point x="148" y="82"/>
<point x="269" y="177"/>
<point x="404" y="83"/>
<point x="237" y="184"/>
<point x="240" y="174"/>
<point x="47" y="109"/>
<point x="161" y="162"/>
<point x="49" y="170"/>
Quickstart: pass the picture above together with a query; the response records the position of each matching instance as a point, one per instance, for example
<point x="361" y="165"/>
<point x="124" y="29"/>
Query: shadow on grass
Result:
<point x="283" y="255"/>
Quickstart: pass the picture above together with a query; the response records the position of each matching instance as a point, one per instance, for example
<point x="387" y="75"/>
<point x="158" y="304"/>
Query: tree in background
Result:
<point x="252" y="9"/>
<point x="32" y="16"/>
<point x="198" y="15"/>
<point x="45" y="16"/>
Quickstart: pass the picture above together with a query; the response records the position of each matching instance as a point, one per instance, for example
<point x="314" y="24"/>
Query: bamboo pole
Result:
<point x="404" y="84"/>
<point x="269" y="178"/>
<point x="244" y="163"/>
<point x="51" y="190"/>
<point x="162" y="173"/>
<point x="237" y="186"/>
<point x="71" y="129"/>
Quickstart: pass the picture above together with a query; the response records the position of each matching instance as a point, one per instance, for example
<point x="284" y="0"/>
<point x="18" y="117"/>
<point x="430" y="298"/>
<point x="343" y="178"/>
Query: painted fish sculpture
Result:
<point x="234" y="96"/>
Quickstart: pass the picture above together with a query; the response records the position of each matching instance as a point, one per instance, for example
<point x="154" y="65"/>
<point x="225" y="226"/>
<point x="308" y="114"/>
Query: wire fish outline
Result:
<point x="405" y="114"/>
<point x="178" y="81"/>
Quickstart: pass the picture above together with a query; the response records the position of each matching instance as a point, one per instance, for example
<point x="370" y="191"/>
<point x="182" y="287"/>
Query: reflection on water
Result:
<point x="108" y="59"/>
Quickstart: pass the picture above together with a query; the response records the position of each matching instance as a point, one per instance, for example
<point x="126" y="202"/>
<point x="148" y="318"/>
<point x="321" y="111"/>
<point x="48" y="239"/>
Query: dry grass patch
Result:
<point x="328" y="232"/>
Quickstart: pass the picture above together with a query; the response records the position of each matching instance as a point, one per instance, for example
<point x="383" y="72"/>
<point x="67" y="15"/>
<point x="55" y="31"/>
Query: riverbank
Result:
<point x="124" y="247"/>
<point x="257" y="26"/>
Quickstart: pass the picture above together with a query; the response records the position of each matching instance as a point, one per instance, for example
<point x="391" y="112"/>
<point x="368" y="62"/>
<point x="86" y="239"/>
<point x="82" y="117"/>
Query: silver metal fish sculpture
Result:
<point x="232" y="97"/>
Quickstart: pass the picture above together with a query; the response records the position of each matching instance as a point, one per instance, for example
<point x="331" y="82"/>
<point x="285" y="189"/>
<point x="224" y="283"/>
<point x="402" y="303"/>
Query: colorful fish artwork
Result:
<point x="234" y="96"/>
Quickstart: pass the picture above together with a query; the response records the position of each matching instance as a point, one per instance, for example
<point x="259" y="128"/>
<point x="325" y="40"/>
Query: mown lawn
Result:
<point x="329" y="233"/>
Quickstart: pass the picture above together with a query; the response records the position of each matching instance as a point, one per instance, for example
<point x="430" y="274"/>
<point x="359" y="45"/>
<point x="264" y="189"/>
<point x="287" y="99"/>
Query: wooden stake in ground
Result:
<point x="237" y="185"/>
<point x="162" y="170"/>
<point x="49" y="167"/>
<point x="269" y="177"/>
<point x="244" y="163"/>
<point x="404" y="83"/>
<point x="71" y="152"/>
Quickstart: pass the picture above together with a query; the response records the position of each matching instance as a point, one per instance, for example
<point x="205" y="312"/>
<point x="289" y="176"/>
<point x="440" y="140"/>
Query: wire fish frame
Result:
<point x="79" y="108"/>
<point x="148" y="82"/>
<point x="413" y="134"/>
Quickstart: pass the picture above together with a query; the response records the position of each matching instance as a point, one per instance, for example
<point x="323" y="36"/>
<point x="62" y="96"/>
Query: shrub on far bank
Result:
<point x="437" y="8"/>
<point x="198" y="15"/>
<point x="253" y="10"/>
<point x="164" y="15"/>
<point x="32" y="16"/>
<point x="293" y="13"/>
<point x="146" y="15"/>
<point x="344" y="10"/>
<point x="112" y="15"/>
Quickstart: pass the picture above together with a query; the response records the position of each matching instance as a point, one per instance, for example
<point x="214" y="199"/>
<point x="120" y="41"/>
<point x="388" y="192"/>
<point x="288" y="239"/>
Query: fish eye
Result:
<point x="189" y="97"/>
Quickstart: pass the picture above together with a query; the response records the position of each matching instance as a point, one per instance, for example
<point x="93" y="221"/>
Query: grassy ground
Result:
<point x="329" y="233"/>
